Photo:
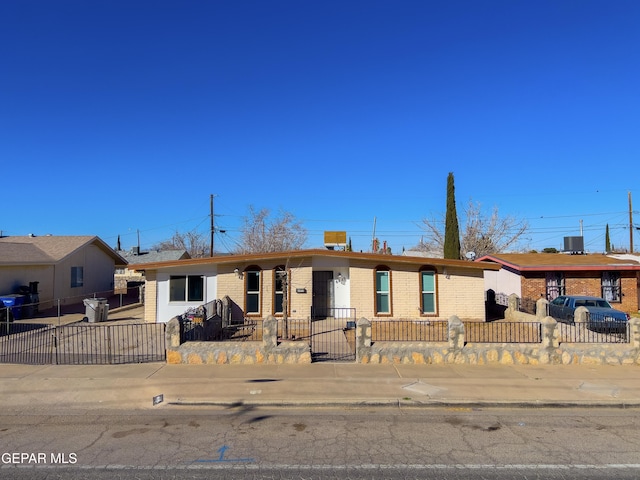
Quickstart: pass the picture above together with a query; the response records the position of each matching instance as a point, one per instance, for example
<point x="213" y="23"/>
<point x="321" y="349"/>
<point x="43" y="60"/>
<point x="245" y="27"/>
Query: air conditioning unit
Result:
<point x="574" y="244"/>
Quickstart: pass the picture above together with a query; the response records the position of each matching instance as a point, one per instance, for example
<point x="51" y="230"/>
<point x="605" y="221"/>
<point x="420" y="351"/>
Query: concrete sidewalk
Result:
<point x="78" y="389"/>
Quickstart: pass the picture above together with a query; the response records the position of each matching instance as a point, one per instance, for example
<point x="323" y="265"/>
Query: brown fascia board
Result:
<point x="256" y="257"/>
<point x="561" y="267"/>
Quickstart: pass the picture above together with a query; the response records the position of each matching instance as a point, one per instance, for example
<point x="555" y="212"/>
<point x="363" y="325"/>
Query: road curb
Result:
<point x="398" y="403"/>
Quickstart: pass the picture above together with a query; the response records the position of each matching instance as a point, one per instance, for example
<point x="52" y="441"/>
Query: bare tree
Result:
<point x="195" y="243"/>
<point x="482" y="234"/>
<point x="262" y="234"/>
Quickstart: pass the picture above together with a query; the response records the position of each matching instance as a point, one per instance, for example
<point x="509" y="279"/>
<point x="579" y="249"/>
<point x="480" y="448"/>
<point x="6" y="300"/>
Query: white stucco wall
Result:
<point x="166" y="309"/>
<point x="503" y="281"/>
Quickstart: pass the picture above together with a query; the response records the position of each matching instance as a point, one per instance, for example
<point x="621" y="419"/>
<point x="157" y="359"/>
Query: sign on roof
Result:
<point x="335" y="239"/>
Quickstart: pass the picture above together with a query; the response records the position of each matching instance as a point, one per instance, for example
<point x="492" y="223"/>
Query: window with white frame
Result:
<point x="428" y="292"/>
<point x="188" y="288"/>
<point x="252" y="292"/>
<point x="383" y="291"/>
<point x="77" y="277"/>
<point x="611" y="289"/>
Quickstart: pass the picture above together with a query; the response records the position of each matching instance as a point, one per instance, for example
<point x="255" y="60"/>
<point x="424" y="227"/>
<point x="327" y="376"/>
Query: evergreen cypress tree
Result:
<point x="451" y="229"/>
<point x="607" y="241"/>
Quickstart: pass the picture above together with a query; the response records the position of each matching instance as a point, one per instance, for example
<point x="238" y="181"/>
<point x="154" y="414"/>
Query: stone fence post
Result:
<point x="270" y="333"/>
<point x="634" y="332"/>
<point x="542" y="308"/>
<point x="363" y="340"/>
<point x="550" y="340"/>
<point x="456" y="333"/>
<point x="172" y="333"/>
<point x="581" y="315"/>
<point x="512" y="307"/>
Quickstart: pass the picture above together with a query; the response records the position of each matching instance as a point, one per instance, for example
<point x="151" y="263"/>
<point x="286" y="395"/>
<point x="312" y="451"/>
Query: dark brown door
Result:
<point x="320" y="303"/>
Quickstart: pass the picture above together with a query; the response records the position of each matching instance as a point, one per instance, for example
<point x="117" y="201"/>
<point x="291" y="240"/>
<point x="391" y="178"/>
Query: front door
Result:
<point x="322" y="294"/>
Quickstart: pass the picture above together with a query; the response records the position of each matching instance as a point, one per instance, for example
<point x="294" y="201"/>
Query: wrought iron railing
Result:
<point x="348" y="314"/>
<point x="74" y="344"/>
<point x="502" y="332"/>
<point x="409" y="331"/>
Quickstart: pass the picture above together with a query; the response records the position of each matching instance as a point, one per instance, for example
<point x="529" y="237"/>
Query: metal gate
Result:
<point x="333" y="337"/>
<point x="42" y="344"/>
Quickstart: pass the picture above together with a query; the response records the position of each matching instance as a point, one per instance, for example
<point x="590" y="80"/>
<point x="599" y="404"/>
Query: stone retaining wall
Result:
<point x="457" y="351"/>
<point x="266" y="352"/>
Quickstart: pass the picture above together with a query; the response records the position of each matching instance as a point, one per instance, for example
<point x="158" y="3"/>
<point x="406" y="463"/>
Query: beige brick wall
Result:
<point x="461" y="294"/>
<point x="150" y="297"/>
<point x="299" y="303"/>
<point x="585" y="283"/>
<point x="361" y="289"/>
<point x="229" y="284"/>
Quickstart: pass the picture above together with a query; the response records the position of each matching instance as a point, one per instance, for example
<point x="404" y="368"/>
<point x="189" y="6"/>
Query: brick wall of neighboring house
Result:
<point x="585" y="283"/>
<point x="150" y="297"/>
<point x="121" y="280"/>
<point x="534" y="286"/>
<point x="630" y="300"/>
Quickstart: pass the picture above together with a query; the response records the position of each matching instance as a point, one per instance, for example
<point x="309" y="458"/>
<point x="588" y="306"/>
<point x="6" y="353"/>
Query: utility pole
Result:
<point x="212" y="227"/>
<point x="630" y="225"/>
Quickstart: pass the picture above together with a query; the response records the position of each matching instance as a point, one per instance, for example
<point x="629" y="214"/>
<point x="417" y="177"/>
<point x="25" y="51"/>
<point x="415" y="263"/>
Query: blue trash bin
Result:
<point x="14" y="302"/>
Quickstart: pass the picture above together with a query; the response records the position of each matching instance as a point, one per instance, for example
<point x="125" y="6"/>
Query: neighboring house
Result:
<point x="64" y="267"/>
<point x="375" y="286"/>
<point x="547" y="275"/>
<point x="125" y="277"/>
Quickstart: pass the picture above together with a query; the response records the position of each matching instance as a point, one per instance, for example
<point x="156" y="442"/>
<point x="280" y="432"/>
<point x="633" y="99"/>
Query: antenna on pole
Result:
<point x="630" y="225"/>
<point x="212" y="226"/>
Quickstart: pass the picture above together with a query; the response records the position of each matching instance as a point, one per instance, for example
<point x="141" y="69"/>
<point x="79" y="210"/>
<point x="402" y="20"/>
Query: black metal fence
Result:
<point x="597" y="328"/>
<point x="438" y="331"/>
<point x="41" y="344"/>
<point x="25" y="307"/>
<point x="503" y="332"/>
<point x="332" y="340"/>
<point x="340" y="313"/>
<point x="250" y="330"/>
<point x="409" y="331"/>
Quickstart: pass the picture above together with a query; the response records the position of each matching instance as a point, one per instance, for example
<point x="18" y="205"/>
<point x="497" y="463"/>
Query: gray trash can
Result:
<point x="96" y="309"/>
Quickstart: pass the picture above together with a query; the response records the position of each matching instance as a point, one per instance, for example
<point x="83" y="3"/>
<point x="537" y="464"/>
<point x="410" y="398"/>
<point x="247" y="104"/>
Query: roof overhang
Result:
<point x="555" y="267"/>
<point x="299" y="254"/>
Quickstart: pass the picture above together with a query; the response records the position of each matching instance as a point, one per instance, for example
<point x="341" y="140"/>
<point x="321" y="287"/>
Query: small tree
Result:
<point x="194" y="242"/>
<point x="261" y="234"/>
<point x="607" y="240"/>
<point x="451" y="229"/>
<point x="486" y="234"/>
<point x="483" y="234"/>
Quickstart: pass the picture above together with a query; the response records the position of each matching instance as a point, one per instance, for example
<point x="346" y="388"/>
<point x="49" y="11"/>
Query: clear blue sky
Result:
<point x="124" y="116"/>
